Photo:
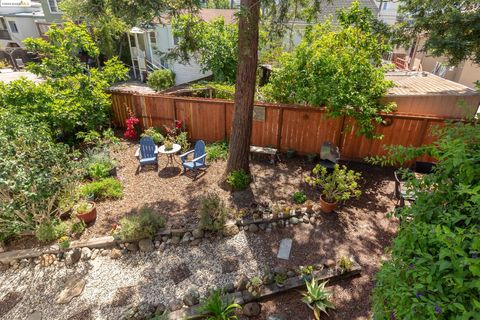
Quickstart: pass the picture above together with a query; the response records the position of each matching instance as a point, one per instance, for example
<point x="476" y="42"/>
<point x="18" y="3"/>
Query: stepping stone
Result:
<point x="180" y="273"/>
<point x="285" y="248"/>
<point x="73" y="288"/>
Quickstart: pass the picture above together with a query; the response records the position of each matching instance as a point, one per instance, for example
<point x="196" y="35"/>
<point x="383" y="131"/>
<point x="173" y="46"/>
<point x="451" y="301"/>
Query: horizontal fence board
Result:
<point x="286" y="127"/>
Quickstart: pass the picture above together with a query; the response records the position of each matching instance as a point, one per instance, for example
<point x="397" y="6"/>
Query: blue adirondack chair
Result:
<point x="198" y="160"/>
<point x="147" y="152"/>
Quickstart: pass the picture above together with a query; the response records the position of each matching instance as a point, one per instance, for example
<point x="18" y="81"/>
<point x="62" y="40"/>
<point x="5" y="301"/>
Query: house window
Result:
<point x="385" y="6"/>
<point x="133" y="44"/>
<point x="53" y="5"/>
<point x="13" y="26"/>
<point x="153" y="37"/>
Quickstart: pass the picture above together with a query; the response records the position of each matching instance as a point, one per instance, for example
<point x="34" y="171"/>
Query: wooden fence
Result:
<point x="284" y="127"/>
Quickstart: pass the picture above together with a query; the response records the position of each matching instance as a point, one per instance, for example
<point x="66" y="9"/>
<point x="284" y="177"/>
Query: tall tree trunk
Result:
<point x="245" y="86"/>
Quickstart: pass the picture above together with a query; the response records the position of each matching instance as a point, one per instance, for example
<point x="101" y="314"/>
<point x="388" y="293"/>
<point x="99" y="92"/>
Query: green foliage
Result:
<point x="299" y="197"/>
<point x="143" y="225"/>
<point x="82" y="207"/>
<point x="155" y="134"/>
<point x="33" y="171"/>
<point x="212" y="212"/>
<point x="340" y="185"/>
<point x="218" y="4"/>
<point x="217" y="151"/>
<point x="218" y="90"/>
<point x="73" y="98"/>
<point x="238" y="179"/>
<point x="214" y="44"/>
<point x="450" y="26"/>
<point x="280" y="279"/>
<point x="108" y="188"/>
<point x="4" y="64"/>
<point x="320" y="71"/>
<point x="317" y="298"/>
<point x="99" y="140"/>
<point x="254" y="286"/>
<point x="98" y="163"/>
<point x="77" y="228"/>
<point x="219" y="307"/>
<point x="50" y="230"/>
<point x="182" y="140"/>
<point x="434" y="271"/>
<point x="307" y="270"/>
<point x="161" y="79"/>
<point x="345" y="264"/>
<point x="64" y="242"/>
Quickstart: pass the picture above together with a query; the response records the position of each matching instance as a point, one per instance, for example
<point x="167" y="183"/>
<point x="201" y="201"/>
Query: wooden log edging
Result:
<point x="332" y="275"/>
<point x="109" y="241"/>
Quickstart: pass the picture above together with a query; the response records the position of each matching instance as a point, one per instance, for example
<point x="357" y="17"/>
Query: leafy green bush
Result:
<point x="99" y="170"/>
<point x="340" y="185"/>
<point x="160" y="80"/>
<point x="434" y="272"/>
<point x="182" y="140"/>
<point x="143" y="225"/>
<point x="317" y="298"/>
<point x="155" y="134"/>
<point x="108" y="188"/>
<point x="217" y="151"/>
<point x="98" y="163"/>
<point x="219" y="307"/>
<point x="299" y="197"/>
<point x="77" y="228"/>
<point x="212" y="212"/>
<point x="33" y="171"/>
<point x="216" y="89"/>
<point x="50" y="230"/>
<point x="238" y="179"/>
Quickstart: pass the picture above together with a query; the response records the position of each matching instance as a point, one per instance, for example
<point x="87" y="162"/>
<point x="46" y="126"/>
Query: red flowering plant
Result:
<point x="132" y="127"/>
<point x="177" y="134"/>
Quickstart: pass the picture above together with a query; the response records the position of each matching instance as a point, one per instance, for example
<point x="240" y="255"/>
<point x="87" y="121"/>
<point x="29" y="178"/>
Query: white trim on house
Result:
<point x="55" y="3"/>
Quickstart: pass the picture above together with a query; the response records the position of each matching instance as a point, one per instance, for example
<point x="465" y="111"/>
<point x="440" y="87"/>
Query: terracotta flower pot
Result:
<point x="90" y="215"/>
<point x="327" y="207"/>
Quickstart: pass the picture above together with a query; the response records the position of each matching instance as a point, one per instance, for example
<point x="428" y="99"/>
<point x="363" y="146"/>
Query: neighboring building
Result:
<point x="148" y="44"/>
<point x="19" y="19"/>
<point x="387" y="11"/>
<point x="52" y="11"/>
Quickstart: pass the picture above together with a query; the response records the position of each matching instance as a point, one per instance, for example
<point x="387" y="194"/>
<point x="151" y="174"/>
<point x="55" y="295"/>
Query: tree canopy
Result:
<point x="336" y="67"/>
<point x="451" y="27"/>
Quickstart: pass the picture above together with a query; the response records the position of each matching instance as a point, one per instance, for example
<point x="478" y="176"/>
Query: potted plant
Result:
<point x="85" y="211"/>
<point x="280" y="280"/>
<point x="306" y="272"/>
<point x="340" y="185"/>
<point x="168" y="144"/>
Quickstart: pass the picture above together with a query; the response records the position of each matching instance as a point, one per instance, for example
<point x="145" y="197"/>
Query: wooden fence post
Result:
<point x="280" y="127"/>
<point x="340" y="135"/>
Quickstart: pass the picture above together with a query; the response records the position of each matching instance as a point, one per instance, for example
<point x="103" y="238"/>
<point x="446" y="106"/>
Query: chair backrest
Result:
<point x="147" y="147"/>
<point x="329" y="152"/>
<point x="199" y="150"/>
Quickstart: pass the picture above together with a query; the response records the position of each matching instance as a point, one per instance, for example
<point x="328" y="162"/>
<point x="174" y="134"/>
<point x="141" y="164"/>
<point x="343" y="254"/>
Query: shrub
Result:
<point x="238" y="179"/>
<point x="219" y="307"/>
<point x="143" y="225"/>
<point x="155" y="134"/>
<point x="77" y="228"/>
<point x="161" y="79"/>
<point x="98" y="163"/>
<point x="108" y="188"/>
<point x="340" y="185"/>
<point x="182" y="140"/>
<point x="50" y="230"/>
<point x="299" y="197"/>
<point x="64" y="242"/>
<point x="218" y="90"/>
<point x="434" y="271"/>
<point x="317" y="298"/>
<point x="217" y="151"/>
<point x="212" y="212"/>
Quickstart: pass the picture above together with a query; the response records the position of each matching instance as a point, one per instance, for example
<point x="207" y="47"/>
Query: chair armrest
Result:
<point x="137" y="154"/>
<point x="157" y="149"/>
<point x="199" y="158"/>
<point x="186" y="154"/>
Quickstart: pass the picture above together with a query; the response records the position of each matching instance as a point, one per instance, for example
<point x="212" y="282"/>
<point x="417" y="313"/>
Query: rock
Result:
<point x="279" y="316"/>
<point x="191" y="298"/>
<point x="256" y="216"/>
<point x="329" y="263"/>
<point x="195" y="242"/>
<point x="157" y="244"/>
<point x="253" y="227"/>
<point x="186" y="237"/>
<point x="251" y="309"/>
<point x="160" y="309"/>
<point x="290" y="273"/>
<point x="163" y="246"/>
<point x="281" y="223"/>
<point x="175" y="305"/>
<point x="36" y="315"/>
<point x="306" y="219"/>
<point x="229" y="287"/>
<point x="198" y="233"/>
<point x="2" y="249"/>
<point x="86" y="253"/>
<point x="280" y="270"/>
<point x="230" y="229"/>
<point x="241" y="282"/>
<point x="73" y="288"/>
<point x="115" y="253"/>
<point x="262" y="226"/>
<point x="293" y="220"/>
<point x="245" y="228"/>
<point x="132" y="247"/>
<point x="72" y="257"/>
<point x="94" y="254"/>
<point x="165" y="238"/>
<point x="312" y="220"/>
<point x="47" y="260"/>
<point x="145" y="245"/>
<point x="175" y="240"/>
<point x="104" y="252"/>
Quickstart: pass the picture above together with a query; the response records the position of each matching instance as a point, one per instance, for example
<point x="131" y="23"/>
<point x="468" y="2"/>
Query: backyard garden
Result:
<point x="142" y="222"/>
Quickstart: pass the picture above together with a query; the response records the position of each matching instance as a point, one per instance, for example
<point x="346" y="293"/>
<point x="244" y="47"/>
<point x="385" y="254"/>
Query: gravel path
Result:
<point x="148" y="275"/>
